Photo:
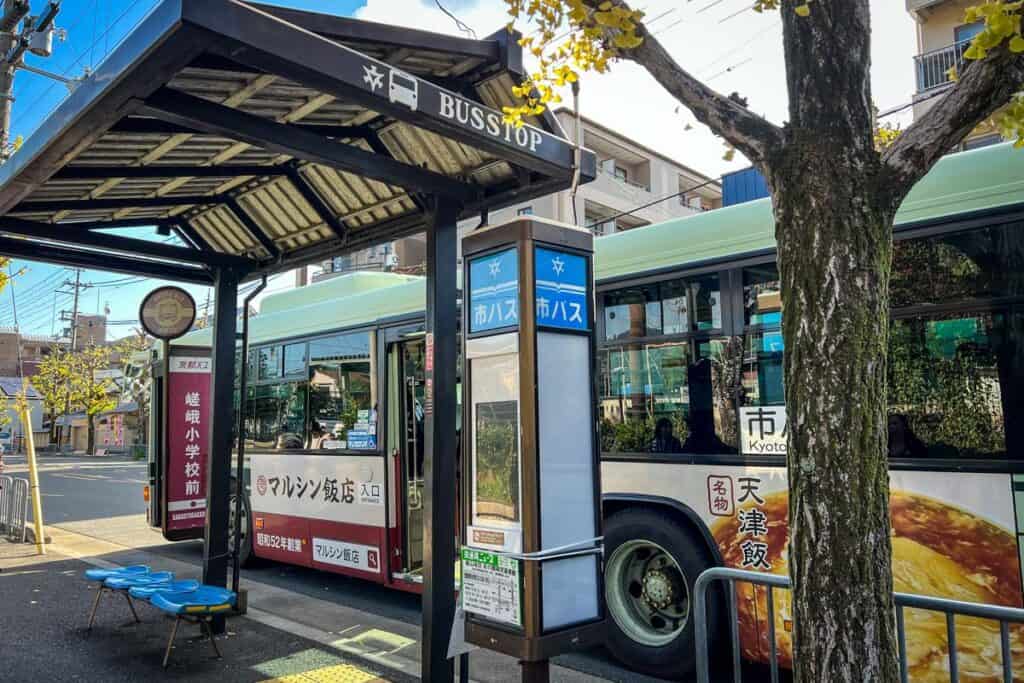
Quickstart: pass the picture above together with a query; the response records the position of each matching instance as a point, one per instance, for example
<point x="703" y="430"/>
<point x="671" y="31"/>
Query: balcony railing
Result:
<point x="933" y="67"/>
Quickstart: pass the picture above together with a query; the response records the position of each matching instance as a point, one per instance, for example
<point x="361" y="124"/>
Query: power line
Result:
<point x="73" y="64"/>
<point x="632" y="211"/>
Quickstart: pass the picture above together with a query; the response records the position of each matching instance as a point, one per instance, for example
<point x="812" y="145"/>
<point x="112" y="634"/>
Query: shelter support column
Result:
<point x="440" y="442"/>
<point x="218" y="461"/>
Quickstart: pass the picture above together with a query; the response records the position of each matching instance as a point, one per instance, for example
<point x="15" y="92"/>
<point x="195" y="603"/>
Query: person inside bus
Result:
<point x="664" y="440"/>
<point x="903" y="443"/>
<point x="317" y="436"/>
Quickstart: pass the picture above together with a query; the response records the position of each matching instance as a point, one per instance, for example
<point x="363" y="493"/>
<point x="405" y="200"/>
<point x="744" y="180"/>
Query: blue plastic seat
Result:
<point x="204" y="600"/>
<point x="128" y="581"/>
<point x="178" y="586"/>
<point x="98" y="574"/>
<point x="199" y="606"/>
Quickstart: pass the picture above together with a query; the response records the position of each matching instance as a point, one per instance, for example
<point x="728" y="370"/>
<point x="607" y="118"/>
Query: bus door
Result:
<point x="407" y="427"/>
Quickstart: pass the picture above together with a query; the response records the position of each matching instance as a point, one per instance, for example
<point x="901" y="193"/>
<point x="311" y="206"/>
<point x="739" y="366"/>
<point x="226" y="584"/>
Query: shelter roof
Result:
<point x="267" y="138"/>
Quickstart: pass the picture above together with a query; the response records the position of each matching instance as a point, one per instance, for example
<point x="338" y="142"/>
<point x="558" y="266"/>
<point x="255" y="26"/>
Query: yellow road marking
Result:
<point x="339" y="673"/>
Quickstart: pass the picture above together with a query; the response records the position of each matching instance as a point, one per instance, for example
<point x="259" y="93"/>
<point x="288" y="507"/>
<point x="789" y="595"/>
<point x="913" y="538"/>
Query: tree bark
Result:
<point x="91" y="431"/>
<point x="834" y="216"/>
<point x="834" y="254"/>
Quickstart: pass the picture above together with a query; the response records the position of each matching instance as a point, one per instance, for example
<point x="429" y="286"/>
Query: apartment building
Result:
<point x="942" y="39"/>
<point x="635" y="186"/>
<point x="20" y="354"/>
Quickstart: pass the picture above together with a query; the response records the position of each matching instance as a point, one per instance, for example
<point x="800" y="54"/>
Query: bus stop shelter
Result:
<point x="267" y="139"/>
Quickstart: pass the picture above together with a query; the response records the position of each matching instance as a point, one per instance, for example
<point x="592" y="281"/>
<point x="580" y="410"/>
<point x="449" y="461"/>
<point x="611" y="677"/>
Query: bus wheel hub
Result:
<point x="659" y="589"/>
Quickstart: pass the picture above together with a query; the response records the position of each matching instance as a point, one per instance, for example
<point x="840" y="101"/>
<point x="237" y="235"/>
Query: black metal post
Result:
<point x="535" y="672"/>
<point x="440" y="444"/>
<point x="218" y="461"/>
<point x="236" y="559"/>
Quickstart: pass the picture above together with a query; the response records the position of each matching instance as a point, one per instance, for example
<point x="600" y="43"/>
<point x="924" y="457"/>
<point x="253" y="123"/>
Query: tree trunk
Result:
<point x="835" y="251"/>
<point x="91" y="431"/>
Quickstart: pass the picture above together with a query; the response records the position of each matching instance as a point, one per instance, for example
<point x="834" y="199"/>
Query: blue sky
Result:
<point x="94" y="28"/>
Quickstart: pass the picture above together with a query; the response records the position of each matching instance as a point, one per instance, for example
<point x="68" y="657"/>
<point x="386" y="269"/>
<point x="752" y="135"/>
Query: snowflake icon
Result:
<point x="372" y="77"/>
<point x="495" y="267"/>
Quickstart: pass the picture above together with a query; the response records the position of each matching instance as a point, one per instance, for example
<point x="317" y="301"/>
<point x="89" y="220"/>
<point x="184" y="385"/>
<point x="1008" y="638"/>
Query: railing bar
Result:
<point x="774" y="662"/>
<point x="1004" y="640"/>
<point x="901" y="637"/>
<point x="734" y="633"/>
<point x="954" y="664"/>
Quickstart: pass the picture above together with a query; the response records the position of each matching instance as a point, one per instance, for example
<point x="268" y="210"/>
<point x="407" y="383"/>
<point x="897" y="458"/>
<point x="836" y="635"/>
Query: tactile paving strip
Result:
<point x="339" y="673"/>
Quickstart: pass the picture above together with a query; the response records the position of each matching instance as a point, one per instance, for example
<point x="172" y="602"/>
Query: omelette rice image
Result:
<point x="938" y="550"/>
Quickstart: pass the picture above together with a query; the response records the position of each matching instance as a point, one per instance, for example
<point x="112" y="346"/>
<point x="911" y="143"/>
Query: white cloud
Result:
<point x="741" y="54"/>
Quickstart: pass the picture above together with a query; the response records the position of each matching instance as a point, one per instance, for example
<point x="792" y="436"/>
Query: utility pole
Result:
<point x="36" y="36"/>
<point x="72" y="315"/>
<point x="14" y="12"/>
<point x="17" y="330"/>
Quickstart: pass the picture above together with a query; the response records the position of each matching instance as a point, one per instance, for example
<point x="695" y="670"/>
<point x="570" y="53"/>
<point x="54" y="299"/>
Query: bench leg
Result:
<point x="95" y="605"/>
<point x="132" y="608"/>
<point x="170" y="641"/>
<point x="205" y="626"/>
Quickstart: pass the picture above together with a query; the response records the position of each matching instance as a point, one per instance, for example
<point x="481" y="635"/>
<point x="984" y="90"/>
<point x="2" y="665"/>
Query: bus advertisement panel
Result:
<point x="188" y="415"/>
<point x="323" y="511"/>
<point x="952" y="537"/>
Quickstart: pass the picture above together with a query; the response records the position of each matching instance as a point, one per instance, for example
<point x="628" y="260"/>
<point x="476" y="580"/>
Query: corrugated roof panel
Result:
<point x="223" y="231"/>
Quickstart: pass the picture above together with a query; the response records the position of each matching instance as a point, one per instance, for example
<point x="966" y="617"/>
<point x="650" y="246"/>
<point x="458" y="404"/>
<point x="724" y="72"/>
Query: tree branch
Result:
<point x="985" y="86"/>
<point x="751" y="134"/>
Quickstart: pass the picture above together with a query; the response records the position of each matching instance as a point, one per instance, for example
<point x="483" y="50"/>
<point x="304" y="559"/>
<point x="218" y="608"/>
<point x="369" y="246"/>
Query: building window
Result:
<point x="982" y="141"/>
<point x="525" y="211"/>
<point x="968" y="31"/>
<point x="621" y="174"/>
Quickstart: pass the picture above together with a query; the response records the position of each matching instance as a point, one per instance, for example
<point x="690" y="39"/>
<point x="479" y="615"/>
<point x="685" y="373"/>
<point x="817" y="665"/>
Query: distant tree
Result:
<point x="91" y="394"/>
<point x="53" y="381"/>
<point x="135" y="386"/>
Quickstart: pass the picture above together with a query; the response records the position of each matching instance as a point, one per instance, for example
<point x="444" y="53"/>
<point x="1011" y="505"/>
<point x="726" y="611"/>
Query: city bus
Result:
<point x="692" y="419"/>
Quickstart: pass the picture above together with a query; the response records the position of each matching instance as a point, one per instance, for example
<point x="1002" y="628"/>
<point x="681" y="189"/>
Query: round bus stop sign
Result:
<point x="167" y="312"/>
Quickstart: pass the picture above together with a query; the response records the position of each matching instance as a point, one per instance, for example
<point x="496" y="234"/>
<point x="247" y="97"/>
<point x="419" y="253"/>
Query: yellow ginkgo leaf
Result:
<point x="802" y="10"/>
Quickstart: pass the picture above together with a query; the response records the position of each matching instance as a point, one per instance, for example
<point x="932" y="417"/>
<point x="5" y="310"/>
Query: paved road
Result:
<point x="87" y="494"/>
<point x="76" y="489"/>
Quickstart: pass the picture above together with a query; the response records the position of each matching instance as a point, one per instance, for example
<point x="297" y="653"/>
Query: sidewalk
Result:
<point x="286" y="634"/>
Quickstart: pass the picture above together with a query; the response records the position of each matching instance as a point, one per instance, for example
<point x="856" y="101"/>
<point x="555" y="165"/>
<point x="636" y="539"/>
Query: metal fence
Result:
<point x="13" y="507"/>
<point x="933" y="67"/>
<point x="951" y="608"/>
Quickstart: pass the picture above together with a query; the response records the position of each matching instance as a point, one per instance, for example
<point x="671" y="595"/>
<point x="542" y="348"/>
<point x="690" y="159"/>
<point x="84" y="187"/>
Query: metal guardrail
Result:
<point x="933" y="67"/>
<point x="951" y="608"/>
<point x="6" y="495"/>
<point x="14" y="508"/>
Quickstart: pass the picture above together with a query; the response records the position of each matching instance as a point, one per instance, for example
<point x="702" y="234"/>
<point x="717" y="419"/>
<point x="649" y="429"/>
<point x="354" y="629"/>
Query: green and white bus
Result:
<point x="692" y="418"/>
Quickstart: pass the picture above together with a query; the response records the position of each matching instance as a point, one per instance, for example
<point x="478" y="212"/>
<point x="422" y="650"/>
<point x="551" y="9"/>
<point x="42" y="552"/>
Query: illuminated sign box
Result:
<point x="531" y="559"/>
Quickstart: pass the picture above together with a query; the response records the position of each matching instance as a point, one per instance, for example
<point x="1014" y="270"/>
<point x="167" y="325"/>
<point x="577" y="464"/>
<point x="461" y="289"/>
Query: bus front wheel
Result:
<point x="652" y="564"/>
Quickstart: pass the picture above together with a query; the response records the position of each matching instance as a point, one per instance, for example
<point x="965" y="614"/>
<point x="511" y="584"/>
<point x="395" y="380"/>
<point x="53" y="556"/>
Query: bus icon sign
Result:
<point x="403" y="88"/>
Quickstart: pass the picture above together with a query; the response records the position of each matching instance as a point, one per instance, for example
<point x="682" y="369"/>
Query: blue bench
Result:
<point x="184" y="599"/>
<point x="100" y="577"/>
<point x="197" y="606"/>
